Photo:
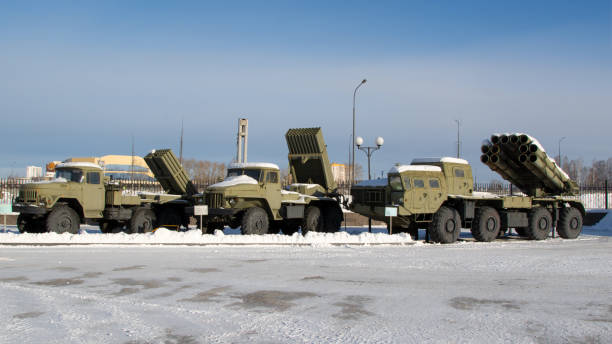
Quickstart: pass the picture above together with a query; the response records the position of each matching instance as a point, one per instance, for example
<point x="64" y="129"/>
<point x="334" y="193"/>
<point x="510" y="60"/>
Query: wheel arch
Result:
<point x="74" y="204"/>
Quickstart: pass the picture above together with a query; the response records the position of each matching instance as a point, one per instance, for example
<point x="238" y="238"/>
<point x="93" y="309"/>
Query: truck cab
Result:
<point x="78" y="186"/>
<point x="251" y="196"/>
<point x="417" y="190"/>
<point x="245" y="186"/>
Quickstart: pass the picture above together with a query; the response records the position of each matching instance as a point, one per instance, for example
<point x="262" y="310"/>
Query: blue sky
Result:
<point x="82" y="78"/>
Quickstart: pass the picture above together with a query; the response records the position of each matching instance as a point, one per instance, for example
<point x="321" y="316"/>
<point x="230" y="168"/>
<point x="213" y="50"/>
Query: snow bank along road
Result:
<point x="514" y="291"/>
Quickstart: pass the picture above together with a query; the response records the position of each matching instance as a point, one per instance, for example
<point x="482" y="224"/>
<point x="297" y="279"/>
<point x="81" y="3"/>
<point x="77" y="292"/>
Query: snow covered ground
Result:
<point x="306" y="290"/>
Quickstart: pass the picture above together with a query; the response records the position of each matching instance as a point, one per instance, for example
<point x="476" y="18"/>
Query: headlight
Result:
<point x="232" y="201"/>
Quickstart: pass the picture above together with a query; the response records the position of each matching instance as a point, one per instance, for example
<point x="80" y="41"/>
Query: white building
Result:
<point x="340" y="173"/>
<point x="33" y="172"/>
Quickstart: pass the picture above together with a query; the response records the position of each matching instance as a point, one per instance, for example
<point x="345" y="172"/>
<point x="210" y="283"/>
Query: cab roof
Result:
<point x="439" y="160"/>
<point x="253" y="165"/>
<point x="420" y="168"/>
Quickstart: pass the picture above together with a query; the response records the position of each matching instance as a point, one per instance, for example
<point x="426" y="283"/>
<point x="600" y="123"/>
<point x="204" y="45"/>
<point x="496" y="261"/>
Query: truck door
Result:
<point x="272" y="191"/>
<point x="420" y="195"/>
<point x="459" y="185"/>
<point x="435" y="194"/>
<point x="93" y="194"/>
<point x="408" y="193"/>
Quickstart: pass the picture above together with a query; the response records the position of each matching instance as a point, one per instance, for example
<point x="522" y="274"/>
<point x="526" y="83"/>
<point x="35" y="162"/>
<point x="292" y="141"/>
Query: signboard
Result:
<point x="6" y="209"/>
<point x="390" y="211"/>
<point x="200" y="210"/>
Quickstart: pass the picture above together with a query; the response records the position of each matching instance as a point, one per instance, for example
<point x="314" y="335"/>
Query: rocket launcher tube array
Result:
<point x="520" y="159"/>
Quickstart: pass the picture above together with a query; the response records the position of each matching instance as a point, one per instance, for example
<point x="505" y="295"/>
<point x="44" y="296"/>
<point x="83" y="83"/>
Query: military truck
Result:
<point x="437" y="194"/>
<point x="251" y="197"/>
<point x="80" y="192"/>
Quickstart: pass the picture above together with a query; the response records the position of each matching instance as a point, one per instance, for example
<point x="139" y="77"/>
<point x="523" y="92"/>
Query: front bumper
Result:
<point x="223" y="211"/>
<point x="29" y="209"/>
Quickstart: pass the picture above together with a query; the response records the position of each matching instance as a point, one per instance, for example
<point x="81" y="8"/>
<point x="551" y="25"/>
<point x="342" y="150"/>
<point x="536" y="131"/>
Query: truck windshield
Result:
<point x="239" y="171"/>
<point x="395" y="182"/>
<point x="71" y="175"/>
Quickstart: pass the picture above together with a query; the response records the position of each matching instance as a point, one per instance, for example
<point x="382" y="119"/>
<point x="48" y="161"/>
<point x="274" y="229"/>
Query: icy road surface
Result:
<point x="512" y="290"/>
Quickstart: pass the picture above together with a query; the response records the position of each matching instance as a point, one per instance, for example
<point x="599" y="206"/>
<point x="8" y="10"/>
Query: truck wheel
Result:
<point x="570" y="223"/>
<point x="255" y="221"/>
<point x="446" y="225"/>
<point x="63" y="219"/>
<point x="142" y="221"/>
<point x="313" y="221"/>
<point x="540" y="224"/>
<point x="486" y="225"/>
<point x="169" y="217"/>
<point x="332" y="219"/>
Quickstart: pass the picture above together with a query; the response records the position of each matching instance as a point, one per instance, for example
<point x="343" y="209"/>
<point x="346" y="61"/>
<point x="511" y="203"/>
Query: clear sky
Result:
<point x="82" y="78"/>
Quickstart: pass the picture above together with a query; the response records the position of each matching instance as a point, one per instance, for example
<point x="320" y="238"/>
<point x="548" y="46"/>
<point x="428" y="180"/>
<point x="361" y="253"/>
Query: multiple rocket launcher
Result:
<point x="521" y="160"/>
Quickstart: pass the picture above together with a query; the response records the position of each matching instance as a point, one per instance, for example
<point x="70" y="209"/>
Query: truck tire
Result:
<point x="255" y="221"/>
<point x="169" y="217"/>
<point x="142" y="221"/>
<point x="570" y="223"/>
<point x="63" y="219"/>
<point x="332" y="219"/>
<point x="445" y="226"/>
<point x="486" y="225"/>
<point x="313" y="220"/>
<point x="540" y="224"/>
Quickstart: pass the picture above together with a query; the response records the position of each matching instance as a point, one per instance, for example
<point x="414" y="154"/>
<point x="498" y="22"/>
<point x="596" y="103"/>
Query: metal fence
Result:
<point x="593" y="196"/>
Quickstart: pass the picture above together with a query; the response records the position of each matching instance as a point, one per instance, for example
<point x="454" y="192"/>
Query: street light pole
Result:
<point x="369" y="151"/>
<point x="458" y="142"/>
<point x="559" y="162"/>
<point x="352" y="173"/>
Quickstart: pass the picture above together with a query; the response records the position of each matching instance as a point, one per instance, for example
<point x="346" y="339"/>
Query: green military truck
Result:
<point x="80" y="192"/>
<point x="251" y="197"/>
<point x="437" y="194"/>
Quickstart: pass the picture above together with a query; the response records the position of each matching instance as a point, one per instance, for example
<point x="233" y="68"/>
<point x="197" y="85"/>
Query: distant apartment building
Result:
<point x="340" y="173"/>
<point x="33" y="172"/>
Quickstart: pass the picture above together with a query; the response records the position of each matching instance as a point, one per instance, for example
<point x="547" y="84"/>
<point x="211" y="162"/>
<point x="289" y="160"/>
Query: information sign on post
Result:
<point x="200" y="210"/>
<point x="391" y="212"/>
<point x="5" y="209"/>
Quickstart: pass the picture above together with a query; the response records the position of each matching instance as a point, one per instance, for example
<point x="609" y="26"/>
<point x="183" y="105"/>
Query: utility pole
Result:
<point x="458" y="141"/>
<point x="132" y="166"/>
<point x="181" y="148"/>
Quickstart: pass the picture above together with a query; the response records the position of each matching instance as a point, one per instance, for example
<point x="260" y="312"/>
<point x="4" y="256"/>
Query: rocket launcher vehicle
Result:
<point x="521" y="160"/>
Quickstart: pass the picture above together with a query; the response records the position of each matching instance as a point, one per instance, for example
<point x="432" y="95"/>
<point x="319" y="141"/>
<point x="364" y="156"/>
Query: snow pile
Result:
<point x="194" y="237"/>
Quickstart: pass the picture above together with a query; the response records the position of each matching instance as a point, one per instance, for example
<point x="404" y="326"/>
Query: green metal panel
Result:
<point x="308" y="158"/>
<point x="169" y="172"/>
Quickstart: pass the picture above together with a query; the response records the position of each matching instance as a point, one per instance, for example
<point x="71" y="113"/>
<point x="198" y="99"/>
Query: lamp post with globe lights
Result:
<point x="352" y="171"/>
<point x="369" y="151"/>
